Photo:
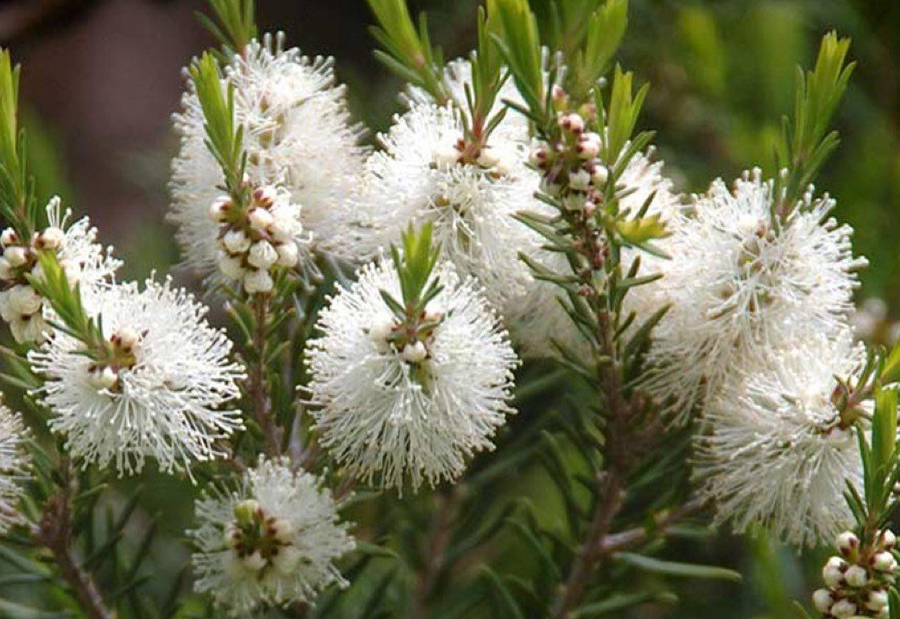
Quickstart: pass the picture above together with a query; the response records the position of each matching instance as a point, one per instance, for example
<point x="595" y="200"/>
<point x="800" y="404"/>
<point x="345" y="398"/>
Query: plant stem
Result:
<point x="625" y="434"/>
<point x="616" y="542"/>
<point x="259" y="393"/>
<point x="54" y="533"/>
<point x="609" y="500"/>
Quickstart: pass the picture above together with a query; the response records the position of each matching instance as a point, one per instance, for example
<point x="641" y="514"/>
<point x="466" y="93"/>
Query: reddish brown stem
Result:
<point x="258" y="385"/>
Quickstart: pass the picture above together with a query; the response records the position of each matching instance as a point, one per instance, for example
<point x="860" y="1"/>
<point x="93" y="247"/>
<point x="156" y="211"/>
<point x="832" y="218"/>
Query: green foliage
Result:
<point x="232" y="23"/>
<point x="519" y="40"/>
<point x="622" y="114"/>
<point x="224" y="140"/>
<point x="17" y="201"/>
<point x="604" y="31"/>
<point x="415" y="266"/>
<point x="408" y="52"/>
<point x="487" y="79"/>
<point x="806" y="142"/>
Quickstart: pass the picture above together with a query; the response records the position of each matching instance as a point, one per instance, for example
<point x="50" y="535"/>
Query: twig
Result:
<point x="609" y="502"/>
<point x="616" y="542"/>
<point x="54" y="533"/>
<point x="262" y="409"/>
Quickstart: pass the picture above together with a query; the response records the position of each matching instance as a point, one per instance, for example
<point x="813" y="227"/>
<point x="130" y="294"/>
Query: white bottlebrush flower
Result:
<point x="777" y="452"/>
<point x="14" y="467"/>
<point x="158" y="391"/>
<point x="297" y="132"/>
<point x="539" y="318"/>
<point x="390" y="415"/>
<point x="420" y="177"/>
<point x="84" y="261"/>
<point x="274" y="541"/>
<point x="741" y="280"/>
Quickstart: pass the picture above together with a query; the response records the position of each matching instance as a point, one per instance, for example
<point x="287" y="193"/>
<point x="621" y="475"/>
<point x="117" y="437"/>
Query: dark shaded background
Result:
<point x="102" y="77"/>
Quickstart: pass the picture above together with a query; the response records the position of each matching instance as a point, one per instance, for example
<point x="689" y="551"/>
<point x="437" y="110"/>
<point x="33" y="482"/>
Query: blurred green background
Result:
<point x="101" y="79"/>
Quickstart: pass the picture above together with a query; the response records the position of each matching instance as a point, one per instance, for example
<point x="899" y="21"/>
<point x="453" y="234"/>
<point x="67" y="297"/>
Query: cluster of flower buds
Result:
<point x="408" y="338"/>
<point x="465" y="153"/>
<point x="121" y="354"/>
<point x="20" y="304"/>
<point x="254" y="241"/>
<point x="857" y="581"/>
<point x="571" y="168"/>
<point x="260" y="542"/>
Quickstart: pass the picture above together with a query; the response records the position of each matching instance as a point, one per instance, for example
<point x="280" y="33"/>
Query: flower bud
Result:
<point x="254" y="562"/>
<point x="833" y="573"/>
<point x="6" y="312"/>
<point x="24" y="300"/>
<point x="219" y="208"/>
<point x="379" y="332"/>
<point x="600" y="176"/>
<point x="260" y="219"/>
<point x="231" y="266"/>
<point x="415" y="352"/>
<point x="560" y="97"/>
<point x="487" y="158"/>
<point x="282" y="228"/>
<point x="843" y="609"/>
<point x="588" y="146"/>
<point x="231" y="536"/>
<point x="822" y="600"/>
<point x="128" y="339"/>
<point x="434" y="312"/>
<point x="27" y="329"/>
<point x="572" y="122"/>
<point x="538" y="156"/>
<point x="444" y="156"/>
<point x="856" y="576"/>
<point x="262" y="255"/>
<point x="258" y="281"/>
<point x="283" y="531"/>
<point x="288" y="255"/>
<point x="286" y="560"/>
<point x="103" y="379"/>
<point x="16" y="255"/>
<point x="887" y="539"/>
<point x="6" y="270"/>
<point x="8" y="237"/>
<point x="847" y="542"/>
<point x="877" y="599"/>
<point x="580" y="180"/>
<point x="236" y="241"/>
<point x="52" y="238"/>
<point x="265" y="196"/>
<point x="884" y="562"/>
<point x="245" y="512"/>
